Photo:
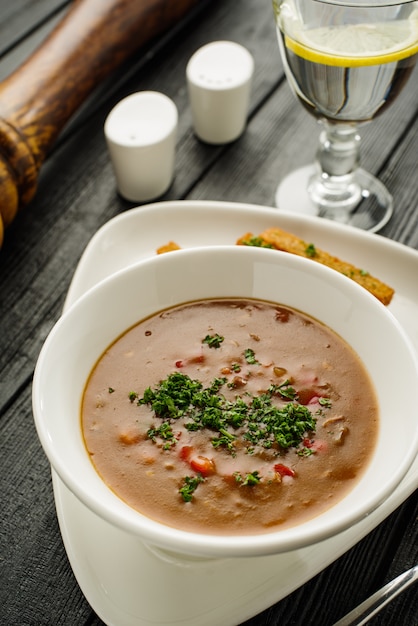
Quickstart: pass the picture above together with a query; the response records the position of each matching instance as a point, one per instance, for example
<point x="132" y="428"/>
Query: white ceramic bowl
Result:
<point x="103" y="313"/>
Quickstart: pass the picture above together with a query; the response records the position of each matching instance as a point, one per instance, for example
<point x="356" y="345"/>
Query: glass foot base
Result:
<point x="371" y="213"/>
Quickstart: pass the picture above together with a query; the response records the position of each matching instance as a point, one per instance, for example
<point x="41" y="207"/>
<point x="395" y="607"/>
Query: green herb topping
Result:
<point x="310" y="250"/>
<point x="326" y="402"/>
<point x="305" y="451"/>
<point x="213" y="341"/>
<point x="249" y="355"/>
<point x="190" y="485"/>
<point x="253" y="420"/>
<point x="256" y="242"/>
<point x="165" y="432"/>
<point x="252" y="479"/>
<point x="273" y="420"/>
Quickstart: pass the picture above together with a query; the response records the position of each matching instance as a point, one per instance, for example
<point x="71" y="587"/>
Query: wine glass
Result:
<point x="346" y="61"/>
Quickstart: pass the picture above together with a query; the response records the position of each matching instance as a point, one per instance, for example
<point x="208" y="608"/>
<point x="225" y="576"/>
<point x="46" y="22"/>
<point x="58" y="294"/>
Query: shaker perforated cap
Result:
<point x="219" y="77"/>
<point x="140" y="134"/>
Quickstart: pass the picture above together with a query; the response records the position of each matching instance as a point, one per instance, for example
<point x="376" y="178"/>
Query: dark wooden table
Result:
<point x="76" y="195"/>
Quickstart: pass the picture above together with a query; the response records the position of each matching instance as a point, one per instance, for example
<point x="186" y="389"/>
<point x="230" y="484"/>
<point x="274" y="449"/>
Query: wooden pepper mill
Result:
<point x="38" y="99"/>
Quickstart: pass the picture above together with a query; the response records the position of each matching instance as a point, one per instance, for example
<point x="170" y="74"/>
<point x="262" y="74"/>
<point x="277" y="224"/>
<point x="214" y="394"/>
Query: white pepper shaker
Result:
<point x="219" y="77"/>
<point x="140" y="134"/>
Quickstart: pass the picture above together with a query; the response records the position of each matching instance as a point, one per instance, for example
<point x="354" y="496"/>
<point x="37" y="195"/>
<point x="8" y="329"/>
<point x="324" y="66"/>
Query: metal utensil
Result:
<point x="367" y="609"/>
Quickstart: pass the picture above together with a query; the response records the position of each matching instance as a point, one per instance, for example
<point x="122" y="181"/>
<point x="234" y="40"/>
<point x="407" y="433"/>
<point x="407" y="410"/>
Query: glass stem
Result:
<point x="334" y="189"/>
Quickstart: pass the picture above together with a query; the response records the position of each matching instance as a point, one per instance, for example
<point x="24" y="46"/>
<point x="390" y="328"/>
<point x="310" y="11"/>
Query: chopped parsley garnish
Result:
<point x="284" y="427"/>
<point x="253" y="420"/>
<point x="172" y="397"/>
<point x="111" y="390"/>
<point x="226" y="440"/>
<point x="251" y="479"/>
<point x="326" y="402"/>
<point x="249" y="356"/>
<point x="213" y="341"/>
<point x="190" y="485"/>
<point x="164" y="432"/>
<point x="305" y="451"/>
<point x="249" y="424"/>
<point x="285" y="390"/>
<point x="310" y="251"/>
<point x="257" y="242"/>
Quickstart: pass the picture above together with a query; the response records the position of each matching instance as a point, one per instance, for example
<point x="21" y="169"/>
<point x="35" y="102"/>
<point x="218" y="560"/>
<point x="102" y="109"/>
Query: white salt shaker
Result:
<point x="141" y="134"/>
<point x="219" y="77"/>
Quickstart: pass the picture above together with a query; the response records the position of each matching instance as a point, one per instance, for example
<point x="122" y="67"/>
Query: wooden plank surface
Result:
<point x="76" y="195"/>
<point x="15" y="27"/>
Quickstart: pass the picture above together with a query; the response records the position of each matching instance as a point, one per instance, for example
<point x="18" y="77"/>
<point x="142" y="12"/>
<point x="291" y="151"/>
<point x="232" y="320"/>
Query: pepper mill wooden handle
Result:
<point x="39" y="98"/>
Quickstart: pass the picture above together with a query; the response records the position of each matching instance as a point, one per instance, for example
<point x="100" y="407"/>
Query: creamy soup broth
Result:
<point x="293" y="424"/>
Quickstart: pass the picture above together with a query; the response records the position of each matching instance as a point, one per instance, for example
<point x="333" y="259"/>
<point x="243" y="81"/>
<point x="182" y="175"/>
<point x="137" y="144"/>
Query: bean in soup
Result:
<point x="230" y="416"/>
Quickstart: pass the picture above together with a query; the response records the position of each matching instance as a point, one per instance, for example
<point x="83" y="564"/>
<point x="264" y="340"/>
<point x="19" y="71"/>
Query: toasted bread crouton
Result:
<point x="168" y="247"/>
<point x="282" y="240"/>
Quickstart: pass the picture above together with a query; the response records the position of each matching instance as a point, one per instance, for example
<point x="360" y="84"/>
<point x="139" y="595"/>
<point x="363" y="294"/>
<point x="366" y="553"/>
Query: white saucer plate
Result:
<point x="128" y="583"/>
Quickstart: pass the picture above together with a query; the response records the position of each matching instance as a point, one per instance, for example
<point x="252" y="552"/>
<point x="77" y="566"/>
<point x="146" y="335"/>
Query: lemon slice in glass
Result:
<point x="355" y="45"/>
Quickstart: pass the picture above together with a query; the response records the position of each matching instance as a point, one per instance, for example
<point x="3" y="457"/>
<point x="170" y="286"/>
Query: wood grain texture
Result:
<point x="37" y="100"/>
<point x="76" y="195"/>
<point x="77" y="190"/>
<point x="350" y="580"/>
<point x="14" y="25"/>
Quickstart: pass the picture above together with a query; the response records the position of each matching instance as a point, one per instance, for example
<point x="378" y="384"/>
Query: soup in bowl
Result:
<point x="228" y="401"/>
